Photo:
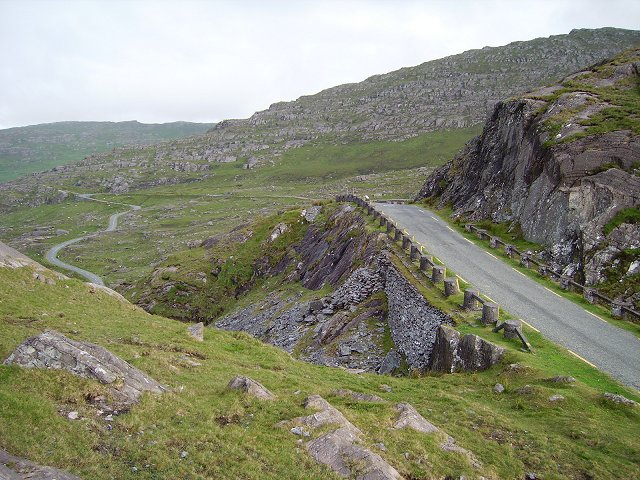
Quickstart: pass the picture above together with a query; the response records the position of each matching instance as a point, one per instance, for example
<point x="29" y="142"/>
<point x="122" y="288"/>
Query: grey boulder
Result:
<point x="250" y="387"/>
<point x="52" y="350"/>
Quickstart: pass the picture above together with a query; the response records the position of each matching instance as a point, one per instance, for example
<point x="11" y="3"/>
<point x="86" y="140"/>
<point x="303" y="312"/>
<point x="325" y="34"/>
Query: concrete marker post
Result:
<point x="511" y="328"/>
<point x="437" y="274"/>
<point x="451" y="286"/>
<point x="490" y="311"/>
<point x="470" y="299"/>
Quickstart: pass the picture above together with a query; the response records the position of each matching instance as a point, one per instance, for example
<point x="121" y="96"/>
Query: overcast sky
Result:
<point x="204" y="61"/>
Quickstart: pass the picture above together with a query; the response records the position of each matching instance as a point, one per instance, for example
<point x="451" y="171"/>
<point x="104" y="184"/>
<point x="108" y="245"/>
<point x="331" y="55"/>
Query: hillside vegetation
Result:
<point x="35" y="148"/>
<point x="226" y="435"/>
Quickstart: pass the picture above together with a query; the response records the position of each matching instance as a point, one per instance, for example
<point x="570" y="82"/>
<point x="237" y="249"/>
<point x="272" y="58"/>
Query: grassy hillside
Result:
<point x="35" y="148"/>
<point x="227" y="435"/>
<point x="174" y="215"/>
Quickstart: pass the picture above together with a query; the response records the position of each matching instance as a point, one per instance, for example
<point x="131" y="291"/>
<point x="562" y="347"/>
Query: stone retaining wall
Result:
<point x="412" y="320"/>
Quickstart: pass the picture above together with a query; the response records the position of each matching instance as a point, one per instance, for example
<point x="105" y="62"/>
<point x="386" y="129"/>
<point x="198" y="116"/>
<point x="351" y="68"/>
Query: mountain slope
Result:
<point x="452" y="92"/>
<point x="561" y="164"/>
<point x="35" y="148"/>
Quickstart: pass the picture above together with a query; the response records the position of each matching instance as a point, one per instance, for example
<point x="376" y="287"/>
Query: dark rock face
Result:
<point x="328" y="255"/>
<point x="55" y="351"/>
<point x="16" y="468"/>
<point x="469" y="353"/>
<point x="348" y="328"/>
<point x="561" y="190"/>
<point x="412" y="320"/>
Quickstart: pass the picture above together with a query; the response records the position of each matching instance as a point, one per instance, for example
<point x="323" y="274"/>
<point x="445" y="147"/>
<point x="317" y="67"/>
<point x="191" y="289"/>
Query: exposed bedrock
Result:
<point x="52" y="350"/>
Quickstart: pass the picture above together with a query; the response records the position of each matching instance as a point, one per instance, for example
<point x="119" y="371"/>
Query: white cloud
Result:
<point x="155" y="60"/>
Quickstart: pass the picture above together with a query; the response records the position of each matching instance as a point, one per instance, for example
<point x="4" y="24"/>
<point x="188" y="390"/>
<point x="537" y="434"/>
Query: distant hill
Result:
<point x="25" y="150"/>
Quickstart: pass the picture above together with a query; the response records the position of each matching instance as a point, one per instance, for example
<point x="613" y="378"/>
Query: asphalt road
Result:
<point x="607" y="347"/>
<point x="52" y="254"/>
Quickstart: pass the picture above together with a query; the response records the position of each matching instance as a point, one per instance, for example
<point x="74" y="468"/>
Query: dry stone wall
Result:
<point x="412" y="320"/>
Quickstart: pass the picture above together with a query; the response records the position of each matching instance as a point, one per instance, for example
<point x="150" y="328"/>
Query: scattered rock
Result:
<point x="410" y="418"/>
<point x="73" y="415"/>
<point x="525" y="390"/>
<point x="615" y="398"/>
<point x="299" y="431"/>
<point x="556" y="398"/>
<point x="310" y="214"/>
<point x="362" y="397"/>
<point x="498" y="388"/>
<point x="16" y="468"/>
<point x="380" y="446"/>
<point x="390" y="363"/>
<point x="385" y="388"/>
<point x="250" y="387"/>
<point x="562" y="379"/>
<point x="55" y="351"/>
<point x="278" y="230"/>
<point x="196" y="331"/>
<point x="184" y="454"/>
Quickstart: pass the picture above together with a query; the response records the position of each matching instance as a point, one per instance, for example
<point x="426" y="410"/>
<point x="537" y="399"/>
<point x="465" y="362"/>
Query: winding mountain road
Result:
<point x="605" y="346"/>
<point x="52" y="254"/>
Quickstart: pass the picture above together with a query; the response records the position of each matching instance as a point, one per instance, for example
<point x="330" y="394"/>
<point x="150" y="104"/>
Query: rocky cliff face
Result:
<point x="453" y="92"/>
<point x="562" y="164"/>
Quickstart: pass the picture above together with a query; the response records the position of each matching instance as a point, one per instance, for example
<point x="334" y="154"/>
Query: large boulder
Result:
<point x="250" y="387"/>
<point x="408" y="417"/>
<point x="340" y="452"/>
<point x="470" y="353"/>
<point x="55" y="351"/>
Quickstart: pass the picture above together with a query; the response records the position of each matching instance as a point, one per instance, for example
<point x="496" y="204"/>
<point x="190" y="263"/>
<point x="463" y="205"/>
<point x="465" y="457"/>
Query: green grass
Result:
<point x="626" y="215"/>
<point x="622" y="101"/>
<point x="510" y="433"/>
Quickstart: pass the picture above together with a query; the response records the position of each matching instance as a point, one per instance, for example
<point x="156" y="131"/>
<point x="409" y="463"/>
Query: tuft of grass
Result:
<point x="626" y="215"/>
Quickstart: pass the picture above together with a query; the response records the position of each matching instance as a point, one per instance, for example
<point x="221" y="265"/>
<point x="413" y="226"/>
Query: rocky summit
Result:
<point x="560" y="164"/>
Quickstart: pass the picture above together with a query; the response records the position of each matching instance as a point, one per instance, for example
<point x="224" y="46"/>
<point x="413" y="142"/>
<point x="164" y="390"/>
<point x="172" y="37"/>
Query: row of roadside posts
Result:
<point x="437" y="274"/>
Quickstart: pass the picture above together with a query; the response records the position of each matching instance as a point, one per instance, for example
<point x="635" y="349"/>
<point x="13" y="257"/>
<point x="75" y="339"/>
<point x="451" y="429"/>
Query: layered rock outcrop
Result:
<point x="559" y="164"/>
<point x="52" y="350"/>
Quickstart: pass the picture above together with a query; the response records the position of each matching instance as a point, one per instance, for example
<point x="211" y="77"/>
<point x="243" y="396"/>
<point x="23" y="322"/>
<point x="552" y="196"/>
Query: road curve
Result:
<point x="609" y="348"/>
<point x="52" y="254"/>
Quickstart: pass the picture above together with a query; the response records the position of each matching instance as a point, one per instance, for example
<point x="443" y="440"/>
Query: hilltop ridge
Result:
<point x="450" y="93"/>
